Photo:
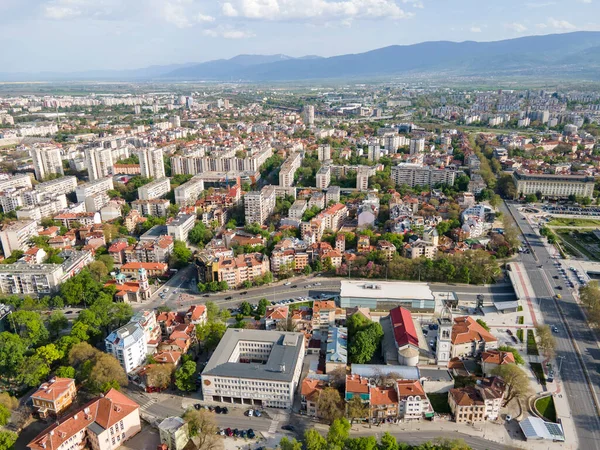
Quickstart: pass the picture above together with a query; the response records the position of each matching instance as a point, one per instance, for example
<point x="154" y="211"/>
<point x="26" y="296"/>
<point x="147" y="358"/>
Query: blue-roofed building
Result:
<point x="337" y="348"/>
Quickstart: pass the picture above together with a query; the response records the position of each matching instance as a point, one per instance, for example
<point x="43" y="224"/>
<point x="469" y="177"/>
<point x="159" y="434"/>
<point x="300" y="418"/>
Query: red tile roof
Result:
<point x="466" y="329"/>
<point x="54" y="388"/>
<point x="404" y="327"/>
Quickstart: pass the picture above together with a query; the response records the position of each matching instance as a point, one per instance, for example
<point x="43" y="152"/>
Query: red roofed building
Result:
<point x="54" y="397"/>
<point x="493" y="358"/>
<point x="275" y="315"/>
<point x="103" y="424"/>
<point x="152" y="269"/>
<point x="196" y="315"/>
<point x="310" y="391"/>
<point x="405" y="336"/>
<point x="412" y="400"/>
<point x="384" y="403"/>
<point x="469" y="338"/>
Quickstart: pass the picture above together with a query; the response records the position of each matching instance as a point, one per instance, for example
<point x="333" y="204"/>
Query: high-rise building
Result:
<point x="419" y="175"/>
<point x="154" y="189"/>
<point x="324" y="177"/>
<point x="46" y="161"/>
<point x="152" y="164"/>
<point x="417" y="146"/>
<point x="188" y="192"/>
<point x="176" y="121"/>
<point x="16" y="236"/>
<point x="374" y="152"/>
<point x="324" y="152"/>
<point x="288" y="169"/>
<point x="99" y="162"/>
<point x="309" y="114"/>
<point x="259" y="205"/>
<point x="189" y="102"/>
<point x="362" y="178"/>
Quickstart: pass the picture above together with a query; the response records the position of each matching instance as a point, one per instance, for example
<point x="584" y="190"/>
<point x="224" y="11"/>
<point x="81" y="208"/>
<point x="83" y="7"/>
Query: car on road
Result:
<point x="228" y="298"/>
<point x="554" y="328"/>
<point x="218" y="409"/>
<point x="251" y="434"/>
<point x="166" y="290"/>
<point x="294" y="286"/>
<point x="509" y="332"/>
<point x="514" y="339"/>
<point x="317" y="284"/>
<point x="257" y="413"/>
<point x="555" y="277"/>
<point x="559" y="288"/>
<point x="225" y="410"/>
<point x="250" y="413"/>
<point x="288" y="428"/>
<point x="243" y="293"/>
<point x="206" y="295"/>
<point x="287" y="283"/>
<point x="69" y="312"/>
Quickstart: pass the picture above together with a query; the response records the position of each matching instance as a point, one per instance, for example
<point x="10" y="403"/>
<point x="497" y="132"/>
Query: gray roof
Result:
<point x="536" y="428"/>
<point x="96" y="428"/>
<point x="280" y="364"/>
<point x="369" y="370"/>
<point x="171" y="424"/>
<point x="435" y="374"/>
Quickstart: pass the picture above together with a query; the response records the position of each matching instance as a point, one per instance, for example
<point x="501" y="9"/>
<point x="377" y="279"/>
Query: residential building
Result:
<point x="188" y="193"/>
<point x="154" y="189"/>
<point x="387" y="248"/>
<point x="383" y="403"/>
<point x="419" y="249"/>
<point x="98" y="186"/>
<point x="173" y="432"/>
<point x="16" y="235"/>
<point x="309" y="396"/>
<point x="47" y="161"/>
<point x="323" y="315"/>
<point x="324" y="177"/>
<point x="362" y="178"/>
<point x="412" y="400"/>
<point x="308" y="113"/>
<point x="469" y="338"/>
<point x="253" y="367"/>
<point x="128" y="345"/>
<point x="82" y="218"/>
<point x="102" y="424"/>
<point x="336" y="353"/>
<point x="324" y="152"/>
<point x="259" y="205"/>
<point x="477" y="403"/>
<point x="54" y="397"/>
<point x="15" y="182"/>
<point x="491" y="359"/>
<point x="288" y="169"/>
<point x="152" y="163"/>
<point x="153" y="269"/>
<point x="297" y="209"/>
<point x="58" y="186"/>
<point x="180" y="227"/>
<point x="274" y="316"/>
<point x="332" y="194"/>
<point x="45" y="208"/>
<point x="99" y="162"/>
<point x="236" y="270"/>
<point x="417" y="146"/>
<point x="412" y="175"/>
<point x="156" y="207"/>
<point x="554" y="186"/>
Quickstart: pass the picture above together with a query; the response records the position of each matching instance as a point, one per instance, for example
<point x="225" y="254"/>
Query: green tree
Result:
<point x="65" y="372"/>
<point x="202" y="427"/>
<point x="12" y="354"/>
<point x="357" y="409"/>
<point x="7" y="440"/>
<point x="49" y="353"/>
<point x="263" y="303"/>
<point x="4" y="415"/>
<point x="313" y="440"/>
<point x="30" y="326"/>
<point x="98" y="270"/>
<point x="330" y="404"/>
<point x="286" y="444"/>
<point x="339" y="432"/>
<point x="546" y="341"/>
<point x="212" y="311"/>
<point x="33" y="371"/>
<point x="56" y="323"/>
<point x="517" y="382"/>
<point x="181" y="254"/>
<point x="185" y="377"/>
<point x="246" y="308"/>
<point x="483" y="324"/>
<point x="388" y="442"/>
<point x="362" y="443"/>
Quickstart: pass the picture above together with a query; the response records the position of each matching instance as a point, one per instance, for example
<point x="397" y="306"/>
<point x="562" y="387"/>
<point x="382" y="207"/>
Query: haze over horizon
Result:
<point x="80" y="35"/>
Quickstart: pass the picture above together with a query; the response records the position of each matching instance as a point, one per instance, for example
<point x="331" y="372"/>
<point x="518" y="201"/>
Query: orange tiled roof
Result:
<point x="497" y="357"/>
<point x="357" y="384"/>
<point x="409" y="387"/>
<point x="53" y="389"/>
<point x="466" y="329"/>
<point x="383" y="396"/>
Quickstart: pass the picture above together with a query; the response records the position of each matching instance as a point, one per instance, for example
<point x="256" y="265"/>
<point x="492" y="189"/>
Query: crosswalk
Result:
<point x="148" y="404"/>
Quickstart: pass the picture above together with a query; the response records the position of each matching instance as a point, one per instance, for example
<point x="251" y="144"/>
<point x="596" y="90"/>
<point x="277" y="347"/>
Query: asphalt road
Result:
<point x="577" y="389"/>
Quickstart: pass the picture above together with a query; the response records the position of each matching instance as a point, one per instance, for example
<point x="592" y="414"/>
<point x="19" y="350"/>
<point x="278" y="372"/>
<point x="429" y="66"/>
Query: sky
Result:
<point x="78" y="35"/>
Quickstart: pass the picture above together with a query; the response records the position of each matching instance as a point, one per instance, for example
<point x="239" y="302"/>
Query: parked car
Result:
<point x="197" y="406"/>
<point x="509" y="332"/>
<point x="287" y="283"/>
<point x="555" y="328"/>
<point x="251" y="434"/>
<point x="225" y="410"/>
<point x="250" y="412"/>
<point x="294" y="286"/>
<point x="288" y="428"/>
<point x="228" y="298"/>
<point x="257" y="413"/>
<point x="218" y="410"/>
<point x="229" y="432"/>
<point x="243" y="293"/>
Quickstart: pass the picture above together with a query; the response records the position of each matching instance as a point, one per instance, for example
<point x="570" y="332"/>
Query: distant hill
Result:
<point x="556" y="56"/>
<point x="570" y="55"/>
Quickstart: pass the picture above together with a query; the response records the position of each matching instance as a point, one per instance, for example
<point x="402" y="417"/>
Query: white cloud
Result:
<point x="314" y="9"/>
<point x="229" y="10"/>
<point x="586" y="1"/>
<point x="228" y="33"/>
<point x="204" y="18"/>
<point x="415" y="3"/>
<point x="475" y="30"/>
<point x="60" y="12"/>
<point x="517" y="27"/>
<point x="556" y="24"/>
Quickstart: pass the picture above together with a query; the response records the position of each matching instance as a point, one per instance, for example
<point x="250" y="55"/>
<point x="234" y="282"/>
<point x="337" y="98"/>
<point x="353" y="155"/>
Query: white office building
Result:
<point x="324" y="177"/>
<point x="255" y="367"/>
<point x="417" y="146"/>
<point x="259" y="205"/>
<point x="101" y="186"/>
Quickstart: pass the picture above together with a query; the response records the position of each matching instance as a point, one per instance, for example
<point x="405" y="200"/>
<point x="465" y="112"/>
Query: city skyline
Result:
<point x="108" y="34"/>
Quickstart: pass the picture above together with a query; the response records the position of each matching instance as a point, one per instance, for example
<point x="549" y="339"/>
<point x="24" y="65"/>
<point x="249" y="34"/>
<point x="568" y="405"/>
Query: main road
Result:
<point x="575" y="342"/>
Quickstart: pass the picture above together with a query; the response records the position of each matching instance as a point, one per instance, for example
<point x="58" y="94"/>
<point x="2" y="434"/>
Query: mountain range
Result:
<point x="573" y="56"/>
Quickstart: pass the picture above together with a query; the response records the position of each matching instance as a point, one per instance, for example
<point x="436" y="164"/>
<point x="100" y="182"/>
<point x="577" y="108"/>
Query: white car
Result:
<point x="287" y="284"/>
<point x="508" y="417"/>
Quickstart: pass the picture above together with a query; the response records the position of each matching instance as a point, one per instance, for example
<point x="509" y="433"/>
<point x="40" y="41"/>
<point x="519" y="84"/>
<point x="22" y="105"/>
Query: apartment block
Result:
<point x="180" y="227"/>
<point x="259" y="205"/>
<point x="412" y="175"/>
<point x="297" y="209"/>
<point x="332" y="194"/>
<point x="417" y="146"/>
<point x="99" y="162"/>
<point x="188" y="193"/>
<point x="236" y="270"/>
<point x="155" y="207"/>
<point x="324" y="152"/>
<point x="288" y="169"/>
<point x="152" y="164"/>
<point x="16" y="181"/>
<point x="362" y="177"/>
<point x="221" y="159"/>
<point x="15" y="236"/>
<point x="154" y="189"/>
<point x="30" y="279"/>
<point x="98" y="186"/>
<point x="47" y="161"/>
<point x="324" y="177"/>
<point x="45" y="208"/>
<point x="128" y="345"/>
<point x="62" y="185"/>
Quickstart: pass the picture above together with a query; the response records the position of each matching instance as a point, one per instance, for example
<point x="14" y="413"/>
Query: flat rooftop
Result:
<point x="400" y="290"/>
<point x="280" y="365"/>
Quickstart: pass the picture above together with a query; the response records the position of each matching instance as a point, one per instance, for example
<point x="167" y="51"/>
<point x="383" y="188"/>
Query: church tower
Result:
<point x="444" y="339"/>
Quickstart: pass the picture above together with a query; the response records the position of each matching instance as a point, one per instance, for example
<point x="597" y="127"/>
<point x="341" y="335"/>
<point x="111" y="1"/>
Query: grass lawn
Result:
<point x="564" y="222"/>
<point x="521" y="320"/>
<point x="520" y="334"/>
<point x="531" y="344"/>
<point x="538" y="370"/>
<point x="439" y="402"/>
<point x="584" y="243"/>
<point x="545" y="407"/>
